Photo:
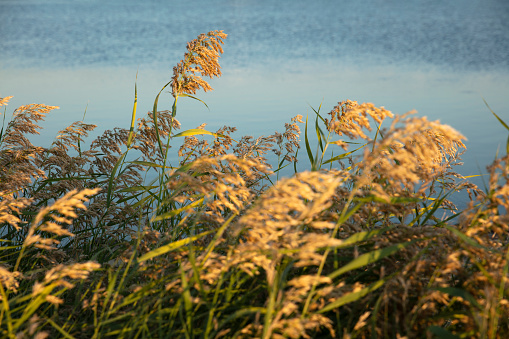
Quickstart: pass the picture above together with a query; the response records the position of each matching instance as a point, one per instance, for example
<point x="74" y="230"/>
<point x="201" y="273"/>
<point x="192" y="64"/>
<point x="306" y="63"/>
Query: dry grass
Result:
<point x="218" y="246"/>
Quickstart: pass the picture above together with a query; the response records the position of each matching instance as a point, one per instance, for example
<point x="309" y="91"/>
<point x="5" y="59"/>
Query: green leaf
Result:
<point x="59" y="329"/>
<point x="317" y="112"/>
<point x="171" y="247"/>
<point x="295" y="162"/>
<point x="496" y="116"/>
<point x="502" y="122"/>
<point x="434" y="208"/>
<point x="154" y="116"/>
<point x="195" y="98"/>
<point x="354" y="296"/>
<point x="242" y="313"/>
<point x="3" y="125"/>
<point x="195" y="131"/>
<point x="137" y="188"/>
<point x="369" y="258"/>
<point x="320" y="135"/>
<point x="177" y="211"/>
<point x="133" y="116"/>
<point x="341" y="156"/>
<point x="308" y="147"/>
<point x="148" y="164"/>
<point x="66" y="179"/>
<point x="112" y="177"/>
<point x="358" y="237"/>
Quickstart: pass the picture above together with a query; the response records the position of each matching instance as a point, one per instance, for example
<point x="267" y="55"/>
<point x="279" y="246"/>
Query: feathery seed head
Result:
<point x="201" y="58"/>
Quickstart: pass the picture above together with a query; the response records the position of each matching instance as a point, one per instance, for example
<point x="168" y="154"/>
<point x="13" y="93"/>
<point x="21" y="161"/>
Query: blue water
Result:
<point x="463" y="35"/>
<point x="281" y="57"/>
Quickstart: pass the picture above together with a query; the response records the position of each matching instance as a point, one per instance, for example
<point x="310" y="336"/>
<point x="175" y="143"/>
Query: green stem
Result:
<point x="267" y="330"/>
<point x="345" y="214"/>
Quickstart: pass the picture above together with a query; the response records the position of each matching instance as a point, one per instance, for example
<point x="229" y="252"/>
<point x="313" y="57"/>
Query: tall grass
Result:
<point x="366" y="244"/>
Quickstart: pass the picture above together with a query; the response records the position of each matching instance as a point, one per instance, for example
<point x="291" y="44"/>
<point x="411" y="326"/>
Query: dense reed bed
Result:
<point x="120" y="240"/>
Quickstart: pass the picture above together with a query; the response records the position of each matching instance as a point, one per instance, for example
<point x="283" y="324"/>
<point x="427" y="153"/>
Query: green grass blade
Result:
<point x="170" y="247"/>
<point x="318" y="115"/>
<point x="308" y="147"/>
<point x="133" y="116"/>
<point x="341" y="156"/>
<point x="112" y="179"/>
<point x="34" y="305"/>
<point x="188" y="304"/>
<point x="195" y="98"/>
<point x="251" y="310"/>
<point x="295" y="162"/>
<point x="149" y="164"/>
<point x="3" y="125"/>
<point x="369" y="258"/>
<point x="154" y="116"/>
<point x="137" y="188"/>
<point x="6" y="309"/>
<point x="59" y="329"/>
<point x="320" y="135"/>
<point x="219" y="233"/>
<point x="354" y="296"/>
<point x="502" y="122"/>
<point x="173" y="213"/>
<point x="432" y="211"/>
<point x="496" y="116"/>
<point x="195" y="131"/>
<point x="359" y="237"/>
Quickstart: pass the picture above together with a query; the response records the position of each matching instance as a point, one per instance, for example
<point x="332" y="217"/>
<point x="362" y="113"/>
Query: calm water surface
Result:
<point x="281" y="57"/>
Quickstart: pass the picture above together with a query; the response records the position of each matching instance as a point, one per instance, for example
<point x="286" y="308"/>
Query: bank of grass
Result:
<point x="367" y="244"/>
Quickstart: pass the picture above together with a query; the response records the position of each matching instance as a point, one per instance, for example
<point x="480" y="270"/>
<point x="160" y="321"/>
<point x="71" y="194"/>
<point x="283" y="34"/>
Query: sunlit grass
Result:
<point x="118" y="241"/>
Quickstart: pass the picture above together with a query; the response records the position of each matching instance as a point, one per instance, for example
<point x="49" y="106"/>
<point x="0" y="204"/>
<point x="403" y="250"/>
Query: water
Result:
<point x="281" y="57"/>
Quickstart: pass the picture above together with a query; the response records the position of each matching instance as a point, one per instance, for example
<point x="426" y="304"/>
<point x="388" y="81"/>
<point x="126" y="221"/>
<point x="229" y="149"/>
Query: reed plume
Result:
<point x="202" y="58"/>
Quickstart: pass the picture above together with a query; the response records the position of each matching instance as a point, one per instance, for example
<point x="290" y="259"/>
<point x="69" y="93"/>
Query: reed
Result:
<point x="365" y="244"/>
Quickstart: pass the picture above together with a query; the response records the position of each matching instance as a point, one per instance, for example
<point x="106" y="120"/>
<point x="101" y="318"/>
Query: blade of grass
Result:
<point x="173" y="213"/>
<point x="369" y="258"/>
<point x="501" y="122"/>
<point x="170" y="247"/>
<point x="154" y="117"/>
<point x="195" y="131"/>
<point x="133" y="116"/>
<point x="354" y="296"/>
<point x="341" y="156"/>
<point x="188" y="304"/>
<point x="148" y="164"/>
<point x="359" y="237"/>
<point x="109" y="193"/>
<point x="308" y="147"/>
<point x="59" y="329"/>
<point x="320" y="135"/>
<point x="195" y="98"/>
<point x="317" y="112"/>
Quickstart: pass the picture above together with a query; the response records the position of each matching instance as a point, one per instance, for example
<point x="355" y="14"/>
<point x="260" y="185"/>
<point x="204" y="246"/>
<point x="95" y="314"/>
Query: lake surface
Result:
<point x="281" y="57"/>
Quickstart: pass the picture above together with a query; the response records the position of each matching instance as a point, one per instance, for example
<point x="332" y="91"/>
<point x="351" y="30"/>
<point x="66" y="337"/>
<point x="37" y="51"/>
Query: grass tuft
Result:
<point x="156" y="232"/>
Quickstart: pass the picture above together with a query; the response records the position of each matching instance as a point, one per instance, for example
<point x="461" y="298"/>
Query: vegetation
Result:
<point x="122" y="240"/>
